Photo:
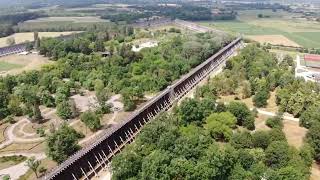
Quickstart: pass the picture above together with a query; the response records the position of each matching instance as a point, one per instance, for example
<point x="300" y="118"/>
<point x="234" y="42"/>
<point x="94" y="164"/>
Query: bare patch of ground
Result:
<point x="315" y="172"/>
<point x="86" y="102"/>
<point x="26" y="62"/>
<point x="260" y="122"/>
<point x="28" y="36"/>
<point x="274" y="40"/>
<point x="294" y="133"/>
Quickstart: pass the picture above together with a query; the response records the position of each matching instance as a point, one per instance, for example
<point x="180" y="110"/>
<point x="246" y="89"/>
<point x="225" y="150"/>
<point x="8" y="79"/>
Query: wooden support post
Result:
<point x="116" y="145"/>
<point x="103" y="161"/>
<point x="140" y="124"/>
<point x="131" y="132"/>
<point x="112" y="153"/>
<point x="127" y="135"/>
<point x="95" y="173"/>
<point x="145" y="121"/>
<point x="105" y="156"/>
<point x="100" y="164"/>
<point x="74" y="177"/>
<point x="85" y="175"/>
<point x="121" y="140"/>
<point x="136" y="128"/>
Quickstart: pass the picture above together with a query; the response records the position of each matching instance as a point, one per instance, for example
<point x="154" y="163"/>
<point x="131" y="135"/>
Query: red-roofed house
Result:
<point x="312" y="60"/>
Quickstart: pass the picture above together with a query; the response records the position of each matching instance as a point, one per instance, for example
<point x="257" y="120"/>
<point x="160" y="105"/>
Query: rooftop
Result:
<point x="312" y="57"/>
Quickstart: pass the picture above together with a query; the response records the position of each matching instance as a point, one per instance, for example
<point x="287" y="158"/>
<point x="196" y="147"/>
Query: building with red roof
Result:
<point x="312" y="60"/>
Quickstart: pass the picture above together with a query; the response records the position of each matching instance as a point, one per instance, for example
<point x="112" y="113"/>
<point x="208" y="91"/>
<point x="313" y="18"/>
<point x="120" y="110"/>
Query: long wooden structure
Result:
<point x="91" y="159"/>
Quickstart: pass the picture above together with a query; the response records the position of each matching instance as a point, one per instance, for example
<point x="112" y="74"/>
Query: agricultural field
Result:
<point x="62" y="23"/>
<point x="300" y="31"/>
<point x="28" y="36"/>
<point x="15" y="64"/>
<point x="68" y="19"/>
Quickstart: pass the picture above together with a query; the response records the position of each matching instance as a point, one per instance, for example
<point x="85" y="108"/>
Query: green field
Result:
<point x="305" y="33"/>
<point x="5" y="66"/>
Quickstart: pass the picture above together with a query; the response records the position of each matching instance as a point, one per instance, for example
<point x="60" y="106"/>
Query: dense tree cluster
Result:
<point x="80" y="66"/>
<point x="171" y="149"/>
<point x="185" y="12"/>
<point x="62" y="143"/>
<point x="8" y="21"/>
<point x="255" y="72"/>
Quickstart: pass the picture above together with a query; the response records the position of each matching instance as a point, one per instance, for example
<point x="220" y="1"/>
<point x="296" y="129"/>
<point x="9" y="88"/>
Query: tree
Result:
<point x="224" y="117"/>
<point x="126" y="165"/>
<point x="64" y="110"/>
<point x="276" y="134"/>
<point x="240" y="111"/>
<point x="189" y="111"/>
<point x="155" y="165"/>
<point x="277" y="154"/>
<point x="14" y="106"/>
<point x="313" y="138"/>
<point x="307" y="154"/>
<point x="91" y="120"/>
<point x="36" y="40"/>
<point x="36" y="113"/>
<point x="310" y="116"/>
<point x="275" y="122"/>
<point x="289" y="172"/>
<point x="73" y="108"/>
<point x="261" y="139"/>
<point x="62" y="143"/>
<point x="241" y="140"/>
<point x="246" y="90"/>
<point x="249" y="122"/>
<point x="33" y="164"/>
<point x="218" y="130"/>
<point x="260" y="99"/>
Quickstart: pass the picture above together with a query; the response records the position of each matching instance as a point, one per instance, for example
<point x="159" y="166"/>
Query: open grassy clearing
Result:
<point x="19" y="147"/>
<point x="8" y="161"/>
<point x="23" y="37"/>
<point x="303" y="32"/>
<point x="15" y="64"/>
<point x="5" y="66"/>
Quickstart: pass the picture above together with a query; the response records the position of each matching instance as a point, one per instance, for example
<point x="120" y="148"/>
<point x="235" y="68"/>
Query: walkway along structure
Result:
<point x="87" y="162"/>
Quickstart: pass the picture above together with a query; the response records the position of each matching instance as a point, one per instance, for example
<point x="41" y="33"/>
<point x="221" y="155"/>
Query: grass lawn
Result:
<point x="8" y="161"/>
<point x="303" y="32"/>
<point x="5" y="66"/>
